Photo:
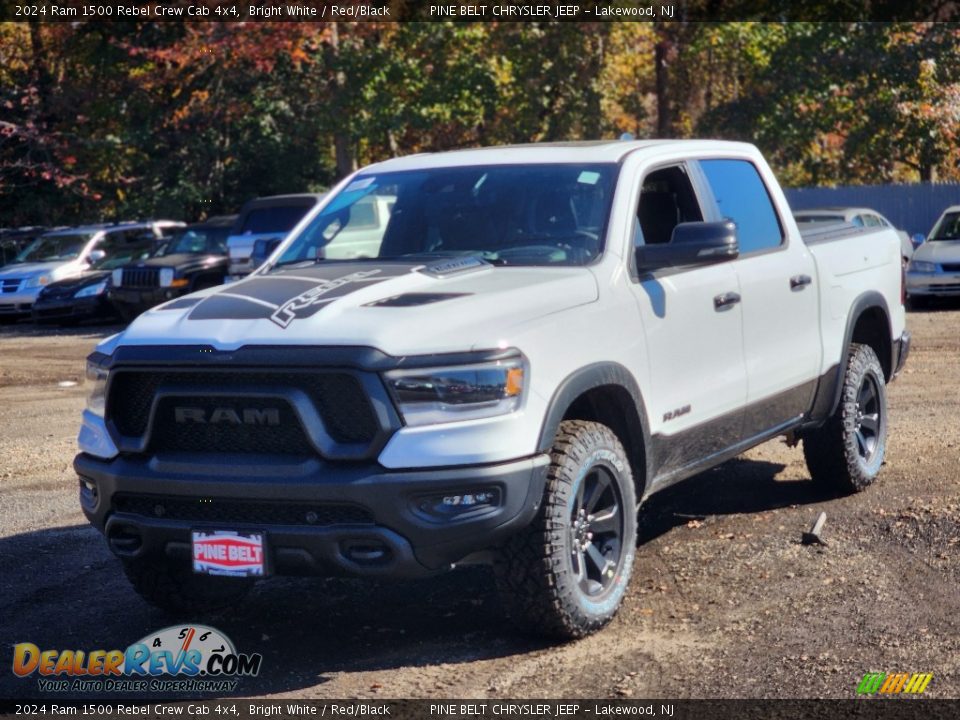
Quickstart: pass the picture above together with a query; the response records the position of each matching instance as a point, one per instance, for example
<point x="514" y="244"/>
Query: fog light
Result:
<point x="88" y="493"/>
<point x="452" y="504"/>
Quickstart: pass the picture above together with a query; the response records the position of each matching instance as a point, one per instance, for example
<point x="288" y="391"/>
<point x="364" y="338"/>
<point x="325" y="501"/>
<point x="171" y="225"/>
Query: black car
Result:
<point x="193" y="260"/>
<point x="85" y="297"/>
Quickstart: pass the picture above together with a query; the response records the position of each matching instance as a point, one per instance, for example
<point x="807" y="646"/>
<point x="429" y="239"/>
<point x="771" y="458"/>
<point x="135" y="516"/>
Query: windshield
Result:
<point x="276" y="219"/>
<point x="54" y="247"/>
<point x="547" y="214"/>
<point x="948" y="228"/>
<point x="199" y="240"/>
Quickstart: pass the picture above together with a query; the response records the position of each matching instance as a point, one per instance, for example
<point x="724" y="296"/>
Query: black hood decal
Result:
<point x="287" y="295"/>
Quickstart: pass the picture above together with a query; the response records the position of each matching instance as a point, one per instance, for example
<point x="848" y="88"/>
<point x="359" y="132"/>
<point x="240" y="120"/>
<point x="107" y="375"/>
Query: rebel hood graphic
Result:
<point x="291" y="294"/>
<point x="398" y="307"/>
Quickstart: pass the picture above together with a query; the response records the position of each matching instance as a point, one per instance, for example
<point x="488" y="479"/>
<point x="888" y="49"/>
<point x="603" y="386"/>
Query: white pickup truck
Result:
<point x="546" y="336"/>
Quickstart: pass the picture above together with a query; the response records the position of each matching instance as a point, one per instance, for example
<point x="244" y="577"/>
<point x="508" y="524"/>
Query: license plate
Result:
<point x="233" y="554"/>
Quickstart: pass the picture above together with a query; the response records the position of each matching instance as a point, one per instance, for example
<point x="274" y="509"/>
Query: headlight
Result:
<point x="36" y="281"/>
<point x="922" y="267"/>
<point x="91" y="290"/>
<point x="466" y="392"/>
<point x="116" y="277"/>
<point x="97" y="377"/>
<point x="166" y="277"/>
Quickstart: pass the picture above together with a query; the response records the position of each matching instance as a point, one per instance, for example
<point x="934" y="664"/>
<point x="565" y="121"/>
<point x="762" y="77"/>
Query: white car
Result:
<point x="547" y="335"/>
<point x="65" y="254"/>
<point x="934" y="270"/>
<point x="859" y="216"/>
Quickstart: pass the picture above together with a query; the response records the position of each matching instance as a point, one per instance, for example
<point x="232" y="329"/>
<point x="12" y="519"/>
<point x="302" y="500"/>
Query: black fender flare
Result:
<point x="587" y="378"/>
<point x="830" y="387"/>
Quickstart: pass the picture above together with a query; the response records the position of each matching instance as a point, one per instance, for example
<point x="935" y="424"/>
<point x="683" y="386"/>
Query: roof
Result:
<point x="292" y="199"/>
<point x="598" y="151"/>
<point x="837" y="210"/>
<point x="99" y="227"/>
<point x="216" y="221"/>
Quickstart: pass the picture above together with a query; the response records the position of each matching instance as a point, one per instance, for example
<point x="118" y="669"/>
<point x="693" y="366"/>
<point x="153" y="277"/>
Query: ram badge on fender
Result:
<point x="544" y="337"/>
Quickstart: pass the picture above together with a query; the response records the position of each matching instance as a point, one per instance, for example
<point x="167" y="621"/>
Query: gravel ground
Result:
<point x="725" y="601"/>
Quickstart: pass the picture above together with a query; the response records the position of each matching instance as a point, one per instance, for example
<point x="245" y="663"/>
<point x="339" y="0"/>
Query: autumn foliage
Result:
<point x="132" y="119"/>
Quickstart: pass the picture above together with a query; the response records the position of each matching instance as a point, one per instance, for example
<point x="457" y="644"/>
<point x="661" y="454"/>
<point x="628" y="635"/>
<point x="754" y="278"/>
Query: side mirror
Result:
<point x="692" y="243"/>
<point x="96" y="256"/>
<point x="918" y="239"/>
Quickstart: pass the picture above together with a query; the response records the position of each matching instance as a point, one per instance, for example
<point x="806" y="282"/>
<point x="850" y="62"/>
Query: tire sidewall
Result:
<point x="610" y="457"/>
<point x="869" y="367"/>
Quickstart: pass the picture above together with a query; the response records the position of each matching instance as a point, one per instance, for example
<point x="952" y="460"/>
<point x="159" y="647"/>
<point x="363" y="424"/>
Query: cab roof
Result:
<point x="594" y="151"/>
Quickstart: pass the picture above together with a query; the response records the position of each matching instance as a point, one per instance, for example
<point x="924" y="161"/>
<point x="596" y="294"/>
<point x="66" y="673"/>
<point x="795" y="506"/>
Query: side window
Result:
<point x="871" y="220"/>
<point x="666" y="200"/>
<point x="742" y="197"/>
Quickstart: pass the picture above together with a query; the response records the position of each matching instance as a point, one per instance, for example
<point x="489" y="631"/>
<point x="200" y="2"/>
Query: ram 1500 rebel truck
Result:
<point x="546" y="336"/>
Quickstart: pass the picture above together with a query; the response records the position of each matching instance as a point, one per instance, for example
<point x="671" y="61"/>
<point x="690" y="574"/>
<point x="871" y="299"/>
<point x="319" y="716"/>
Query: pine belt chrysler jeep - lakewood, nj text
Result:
<point x="545" y="336"/>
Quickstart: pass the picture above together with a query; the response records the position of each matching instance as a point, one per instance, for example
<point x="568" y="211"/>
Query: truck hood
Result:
<point x="399" y="308"/>
<point x="938" y="251"/>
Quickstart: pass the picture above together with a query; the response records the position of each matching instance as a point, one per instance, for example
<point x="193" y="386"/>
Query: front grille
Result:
<point x="951" y="267"/>
<point x="231" y="434"/>
<point x="338" y="397"/>
<point x="141" y="277"/>
<point x="251" y="512"/>
<point x="10" y="285"/>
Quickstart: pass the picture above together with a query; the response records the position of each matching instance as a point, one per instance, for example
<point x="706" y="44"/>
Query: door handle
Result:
<point x="799" y="281"/>
<point x="725" y="300"/>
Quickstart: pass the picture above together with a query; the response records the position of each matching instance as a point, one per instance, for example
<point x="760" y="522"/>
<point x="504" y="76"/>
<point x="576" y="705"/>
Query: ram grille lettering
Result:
<point x="227" y="415"/>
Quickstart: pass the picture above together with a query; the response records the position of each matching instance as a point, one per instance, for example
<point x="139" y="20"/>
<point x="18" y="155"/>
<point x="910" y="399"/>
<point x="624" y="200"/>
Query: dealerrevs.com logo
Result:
<point x="180" y="658"/>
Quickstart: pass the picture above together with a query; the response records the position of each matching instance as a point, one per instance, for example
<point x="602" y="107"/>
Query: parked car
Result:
<point x="934" y="270"/>
<point x="861" y="217"/>
<point x="85" y="297"/>
<point x="547" y="335"/>
<point x="194" y="259"/>
<point x="65" y="254"/>
<point x="266" y="218"/>
<point x="14" y="241"/>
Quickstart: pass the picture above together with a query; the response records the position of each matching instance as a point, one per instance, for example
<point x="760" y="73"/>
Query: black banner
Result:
<point x="898" y="708"/>
<point x="476" y="10"/>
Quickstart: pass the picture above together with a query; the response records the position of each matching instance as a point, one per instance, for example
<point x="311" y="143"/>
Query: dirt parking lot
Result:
<point x="725" y="601"/>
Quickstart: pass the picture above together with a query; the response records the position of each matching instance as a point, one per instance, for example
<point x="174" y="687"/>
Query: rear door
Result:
<point x="780" y="306"/>
<point x="694" y="334"/>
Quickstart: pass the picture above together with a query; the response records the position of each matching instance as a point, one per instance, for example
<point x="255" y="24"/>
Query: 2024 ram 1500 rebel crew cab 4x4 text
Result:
<point x="547" y="335"/>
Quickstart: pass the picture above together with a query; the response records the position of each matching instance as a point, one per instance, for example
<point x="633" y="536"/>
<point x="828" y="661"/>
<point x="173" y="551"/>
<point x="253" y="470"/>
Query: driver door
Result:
<point x="693" y="325"/>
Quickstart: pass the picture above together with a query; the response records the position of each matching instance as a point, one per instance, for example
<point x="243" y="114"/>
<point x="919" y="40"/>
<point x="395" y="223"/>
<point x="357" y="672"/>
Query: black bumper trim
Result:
<point x="901" y="350"/>
<point x="413" y="542"/>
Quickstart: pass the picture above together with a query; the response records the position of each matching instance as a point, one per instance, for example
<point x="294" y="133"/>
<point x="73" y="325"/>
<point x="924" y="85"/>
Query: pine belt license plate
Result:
<point x="227" y="553"/>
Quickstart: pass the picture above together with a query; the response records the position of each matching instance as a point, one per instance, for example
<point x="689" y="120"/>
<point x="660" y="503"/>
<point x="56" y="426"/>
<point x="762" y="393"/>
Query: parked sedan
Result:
<point x="934" y="270"/>
<point x="85" y="297"/>
<point x="859" y="216"/>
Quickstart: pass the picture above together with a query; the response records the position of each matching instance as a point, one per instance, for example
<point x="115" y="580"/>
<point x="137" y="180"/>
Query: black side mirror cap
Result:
<point x="692" y="243"/>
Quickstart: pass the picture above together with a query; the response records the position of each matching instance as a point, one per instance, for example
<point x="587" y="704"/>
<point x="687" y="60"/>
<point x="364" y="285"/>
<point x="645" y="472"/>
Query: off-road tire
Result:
<point x="536" y="570"/>
<point x="836" y="457"/>
<point x="176" y="589"/>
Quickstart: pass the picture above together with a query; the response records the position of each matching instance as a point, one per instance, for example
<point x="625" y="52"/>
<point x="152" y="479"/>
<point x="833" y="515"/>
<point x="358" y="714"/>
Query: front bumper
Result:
<point x="933" y="284"/>
<point x="142" y="299"/>
<point x="72" y="309"/>
<point x="18" y="304"/>
<point x="317" y="518"/>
